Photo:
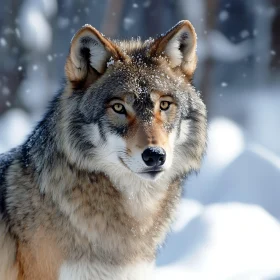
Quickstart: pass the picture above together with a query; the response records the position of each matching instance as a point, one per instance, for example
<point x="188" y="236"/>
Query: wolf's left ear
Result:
<point x="179" y="46"/>
<point x="89" y="53"/>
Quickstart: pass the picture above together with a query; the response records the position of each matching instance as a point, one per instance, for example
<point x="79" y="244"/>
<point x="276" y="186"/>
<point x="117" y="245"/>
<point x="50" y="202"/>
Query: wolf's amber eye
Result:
<point x="164" y="105"/>
<point x="119" y="108"/>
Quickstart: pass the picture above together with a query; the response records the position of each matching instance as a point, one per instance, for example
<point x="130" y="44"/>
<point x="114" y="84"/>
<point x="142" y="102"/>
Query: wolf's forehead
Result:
<point x="143" y="82"/>
<point x="144" y="96"/>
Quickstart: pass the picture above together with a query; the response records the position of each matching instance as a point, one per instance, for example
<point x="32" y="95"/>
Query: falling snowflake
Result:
<point x="223" y="16"/>
<point x="110" y="62"/>
<point x="3" y="42"/>
<point x="5" y="91"/>
<point x="63" y="22"/>
<point x="146" y="4"/>
<point x="128" y="22"/>
<point x="244" y="34"/>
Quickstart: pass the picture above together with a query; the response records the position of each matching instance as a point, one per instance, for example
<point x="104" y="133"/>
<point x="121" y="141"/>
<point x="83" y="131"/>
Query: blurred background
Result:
<point x="228" y="223"/>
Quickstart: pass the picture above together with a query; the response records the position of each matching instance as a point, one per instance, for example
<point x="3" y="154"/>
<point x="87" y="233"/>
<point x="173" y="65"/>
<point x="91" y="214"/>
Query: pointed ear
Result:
<point x="89" y="53"/>
<point x="179" y="46"/>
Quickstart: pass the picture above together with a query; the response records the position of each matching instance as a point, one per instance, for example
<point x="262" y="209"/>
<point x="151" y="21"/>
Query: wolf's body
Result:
<point x="92" y="192"/>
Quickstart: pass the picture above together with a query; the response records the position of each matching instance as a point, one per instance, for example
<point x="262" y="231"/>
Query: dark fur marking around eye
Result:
<point x="120" y="130"/>
<point x="192" y="115"/>
<point x="101" y="130"/>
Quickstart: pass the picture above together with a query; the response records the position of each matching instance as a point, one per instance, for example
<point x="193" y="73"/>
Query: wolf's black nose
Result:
<point x="154" y="156"/>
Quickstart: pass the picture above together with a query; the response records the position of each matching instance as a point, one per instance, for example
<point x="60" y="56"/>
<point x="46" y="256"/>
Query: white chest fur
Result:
<point x="98" y="271"/>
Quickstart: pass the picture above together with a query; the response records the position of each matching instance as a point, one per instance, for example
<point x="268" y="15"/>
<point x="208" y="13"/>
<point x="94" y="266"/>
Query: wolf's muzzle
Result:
<point x="154" y="156"/>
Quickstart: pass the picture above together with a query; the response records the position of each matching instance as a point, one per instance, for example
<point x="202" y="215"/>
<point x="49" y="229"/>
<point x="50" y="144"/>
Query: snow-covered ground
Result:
<point x="222" y="241"/>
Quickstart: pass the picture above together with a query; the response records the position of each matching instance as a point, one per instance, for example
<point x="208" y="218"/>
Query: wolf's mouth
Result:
<point x="149" y="173"/>
<point x="152" y="170"/>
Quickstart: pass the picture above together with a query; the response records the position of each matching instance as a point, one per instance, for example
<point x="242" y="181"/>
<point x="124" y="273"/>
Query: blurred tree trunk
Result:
<point x="10" y="77"/>
<point x="275" y="40"/>
<point x="112" y="19"/>
<point x="153" y="18"/>
<point x="208" y="64"/>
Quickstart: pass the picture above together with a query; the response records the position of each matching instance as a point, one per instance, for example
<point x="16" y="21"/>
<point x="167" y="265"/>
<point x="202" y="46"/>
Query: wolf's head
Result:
<point x="129" y="108"/>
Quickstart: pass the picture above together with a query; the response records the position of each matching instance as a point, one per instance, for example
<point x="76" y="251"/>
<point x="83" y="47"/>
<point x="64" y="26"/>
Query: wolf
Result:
<point x="93" y="190"/>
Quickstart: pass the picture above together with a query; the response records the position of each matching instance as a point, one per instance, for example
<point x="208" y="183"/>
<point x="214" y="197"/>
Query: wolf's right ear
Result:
<point x="89" y="53"/>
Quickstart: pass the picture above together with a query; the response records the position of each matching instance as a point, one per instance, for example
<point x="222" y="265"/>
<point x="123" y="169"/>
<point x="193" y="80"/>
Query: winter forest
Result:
<point x="228" y="224"/>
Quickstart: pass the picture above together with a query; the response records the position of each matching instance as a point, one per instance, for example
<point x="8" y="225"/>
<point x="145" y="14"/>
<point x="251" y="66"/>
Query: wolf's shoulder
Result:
<point x="6" y="160"/>
<point x="7" y="244"/>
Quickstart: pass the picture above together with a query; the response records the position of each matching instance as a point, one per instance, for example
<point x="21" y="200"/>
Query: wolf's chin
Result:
<point x="150" y="176"/>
